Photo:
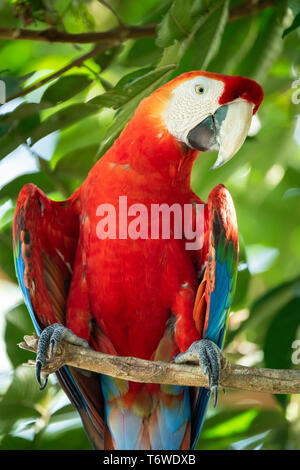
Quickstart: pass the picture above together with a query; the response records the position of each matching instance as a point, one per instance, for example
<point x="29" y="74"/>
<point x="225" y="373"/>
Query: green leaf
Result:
<point x="130" y="86"/>
<point x="89" y="131"/>
<point x="63" y="118"/>
<point x="77" y="162"/>
<point x="6" y="219"/>
<point x="4" y="129"/>
<point x="17" y="126"/>
<point x="65" y="88"/>
<point x="171" y="55"/>
<point x="15" y="133"/>
<point x="18" y="324"/>
<point x="13" y="84"/>
<point x="106" y="58"/>
<point x="24" y="123"/>
<point x="294" y="25"/>
<point x="28" y="125"/>
<point x="268" y="305"/>
<point x="19" y="401"/>
<point x="77" y="18"/>
<point x="234" y="428"/>
<point x="142" y="53"/>
<point x="205" y="39"/>
<point x="268" y="45"/>
<point x="176" y="23"/>
<point x="6" y="253"/>
<point x="225" y="427"/>
<point x="243" y="278"/>
<point x="123" y="90"/>
<point x="279" y="338"/>
<point x="10" y="142"/>
<point x="280" y="335"/>
<point x="231" y="423"/>
<point x="229" y="56"/>
<point x="62" y="437"/>
<point x="15" y="443"/>
<point x="294" y="5"/>
<point x="17" y="122"/>
<point x="12" y="189"/>
<point x="24" y="110"/>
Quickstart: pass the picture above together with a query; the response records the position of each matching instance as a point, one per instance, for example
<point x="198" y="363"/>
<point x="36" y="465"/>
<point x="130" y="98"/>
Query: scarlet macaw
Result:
<point x="148" y="298"/>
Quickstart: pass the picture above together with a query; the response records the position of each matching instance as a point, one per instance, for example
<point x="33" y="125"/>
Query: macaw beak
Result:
<point x="225" y="130"/>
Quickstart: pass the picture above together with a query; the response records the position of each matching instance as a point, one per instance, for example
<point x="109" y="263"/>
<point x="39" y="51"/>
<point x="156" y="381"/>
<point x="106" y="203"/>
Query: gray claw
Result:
<point x="208" y="355"/>
<point x="214" y="391"/>
<point x="51" y="338"/>
<point x="38" y="375"/>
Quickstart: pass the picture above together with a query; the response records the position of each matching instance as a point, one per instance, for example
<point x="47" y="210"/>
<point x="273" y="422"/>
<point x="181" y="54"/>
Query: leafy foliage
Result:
<point x="64" y="126"/>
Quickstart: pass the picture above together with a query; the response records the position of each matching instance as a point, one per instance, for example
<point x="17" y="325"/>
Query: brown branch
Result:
<point x="121" y="33"/>
<point x="249" y="8"/>
<point x="138" y="370"/>
<point x="53" y="35"/>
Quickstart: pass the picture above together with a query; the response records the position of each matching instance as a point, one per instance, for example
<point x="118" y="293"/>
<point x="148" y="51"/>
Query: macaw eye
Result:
<point x="199" y="89"/>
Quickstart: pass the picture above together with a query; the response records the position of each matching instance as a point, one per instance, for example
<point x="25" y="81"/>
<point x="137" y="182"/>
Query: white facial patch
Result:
<point x="192" y="101"/>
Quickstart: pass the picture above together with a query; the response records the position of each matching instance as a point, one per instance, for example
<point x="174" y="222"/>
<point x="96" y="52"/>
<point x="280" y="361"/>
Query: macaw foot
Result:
<point x="208" y="355"/>
<point x="51" y="338"/>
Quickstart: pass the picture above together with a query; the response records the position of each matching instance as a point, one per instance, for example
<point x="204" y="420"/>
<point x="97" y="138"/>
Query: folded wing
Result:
<point x="45" y="237"/>
<point x="217" y="287"/>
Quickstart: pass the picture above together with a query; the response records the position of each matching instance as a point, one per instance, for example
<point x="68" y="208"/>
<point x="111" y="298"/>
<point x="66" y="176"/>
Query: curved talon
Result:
<point x="214" y="391"/>
<point x="38" y="368"/>
<point x="207" y="372"/>
<point x="208" y="355"/>
<point x="51" y="338"/>
<point x="44" y="385"/>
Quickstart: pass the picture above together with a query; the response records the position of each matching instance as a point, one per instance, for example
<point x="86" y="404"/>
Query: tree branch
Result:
<point x="249" y="8"/>
<point x="53" y="35"/>
<point x="138" y="370"/>
<point x="121" y="33"/>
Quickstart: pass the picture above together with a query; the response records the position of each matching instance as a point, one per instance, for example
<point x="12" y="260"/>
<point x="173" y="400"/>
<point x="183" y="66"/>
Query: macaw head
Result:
<point x="208" y="111"/>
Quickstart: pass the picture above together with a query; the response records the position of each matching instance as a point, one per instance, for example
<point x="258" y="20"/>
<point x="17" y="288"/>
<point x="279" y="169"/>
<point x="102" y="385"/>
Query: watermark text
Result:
<point x="2" y="92"/>
<point x="159" y="221"/>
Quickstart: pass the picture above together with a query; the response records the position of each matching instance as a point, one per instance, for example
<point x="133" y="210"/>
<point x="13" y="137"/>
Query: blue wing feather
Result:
<point x="20" y="271"/>
<point x="83" y="390"/>
<point x="222" y="265"/>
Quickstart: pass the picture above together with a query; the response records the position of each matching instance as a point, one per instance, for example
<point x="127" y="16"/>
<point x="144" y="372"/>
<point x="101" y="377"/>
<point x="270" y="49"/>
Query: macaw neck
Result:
<point x="148" y="148"/>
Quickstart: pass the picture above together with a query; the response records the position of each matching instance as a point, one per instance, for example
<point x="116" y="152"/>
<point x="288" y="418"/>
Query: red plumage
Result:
<point x="147" y="298"/>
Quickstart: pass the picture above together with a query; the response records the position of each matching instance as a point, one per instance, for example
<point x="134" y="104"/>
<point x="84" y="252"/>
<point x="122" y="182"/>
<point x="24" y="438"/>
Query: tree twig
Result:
<point x="75" y="63"/>
<point x="120" y="33"/>
<point x="138" y="370"/>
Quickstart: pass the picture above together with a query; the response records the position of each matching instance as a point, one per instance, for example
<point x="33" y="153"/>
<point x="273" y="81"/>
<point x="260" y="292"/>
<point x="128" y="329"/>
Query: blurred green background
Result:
<point x="51" y="136"/>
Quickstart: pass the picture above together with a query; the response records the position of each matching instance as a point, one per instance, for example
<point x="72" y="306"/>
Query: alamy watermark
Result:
<point x="159" y="221"/>
<point x="296" y="353"/>
<point x="296" y="94"/>
<point x="2" y="92"/>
